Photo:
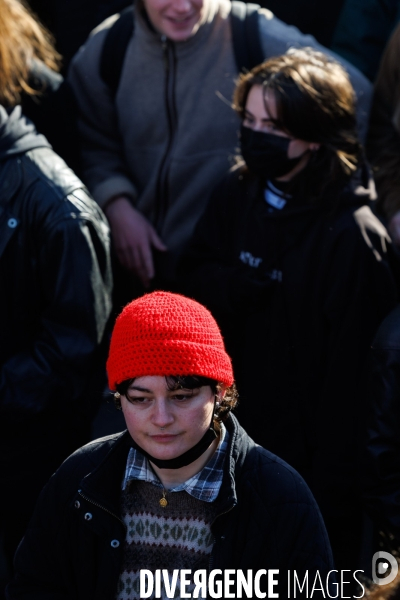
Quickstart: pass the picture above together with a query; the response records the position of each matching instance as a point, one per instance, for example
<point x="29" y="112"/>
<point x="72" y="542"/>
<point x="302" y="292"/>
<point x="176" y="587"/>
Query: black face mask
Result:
<point x="266" y="154"/>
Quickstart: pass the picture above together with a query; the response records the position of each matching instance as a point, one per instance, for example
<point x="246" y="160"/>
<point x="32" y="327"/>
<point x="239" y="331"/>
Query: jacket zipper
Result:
<point x="162" y="195"/>
<point x="102" y="507"/>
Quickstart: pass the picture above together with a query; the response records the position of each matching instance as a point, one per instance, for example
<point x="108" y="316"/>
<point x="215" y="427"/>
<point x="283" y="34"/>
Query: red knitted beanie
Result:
<point x="167" y="334"/>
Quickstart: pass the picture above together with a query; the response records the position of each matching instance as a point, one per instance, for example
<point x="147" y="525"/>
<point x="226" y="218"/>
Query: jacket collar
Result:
<point x="239" y="444"/>
<point x="17" y="134"/>
<point x="103" y="484"/>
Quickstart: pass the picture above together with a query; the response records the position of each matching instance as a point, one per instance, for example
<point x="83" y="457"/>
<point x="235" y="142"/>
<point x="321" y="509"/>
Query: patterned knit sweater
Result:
<point x="175" y="537"/>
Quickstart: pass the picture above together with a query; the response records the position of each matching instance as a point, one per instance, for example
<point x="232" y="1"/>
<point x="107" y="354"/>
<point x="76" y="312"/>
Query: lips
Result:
<point x="164" y="437"/>
<point x="180" y="21"/>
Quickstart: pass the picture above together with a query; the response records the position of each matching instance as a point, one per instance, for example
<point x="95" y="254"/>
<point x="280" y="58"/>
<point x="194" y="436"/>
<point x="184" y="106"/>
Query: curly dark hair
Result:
<point x="192" y="382"/>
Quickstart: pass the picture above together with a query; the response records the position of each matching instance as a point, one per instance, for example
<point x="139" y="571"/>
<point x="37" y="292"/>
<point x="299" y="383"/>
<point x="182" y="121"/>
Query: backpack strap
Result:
<point x="114" y="49"/>
<point x="246" y="35"/>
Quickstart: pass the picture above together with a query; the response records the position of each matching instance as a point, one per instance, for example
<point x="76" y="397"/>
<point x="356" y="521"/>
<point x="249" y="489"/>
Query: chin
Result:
<point x="163" y="455"/>
<point x="180" y="36"/>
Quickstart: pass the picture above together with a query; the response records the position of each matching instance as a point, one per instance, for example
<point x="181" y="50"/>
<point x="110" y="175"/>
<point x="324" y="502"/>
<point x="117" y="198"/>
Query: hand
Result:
<point x="369" y="224"/>
<point x="394" y="228"/>
<point x="133" y="238"/>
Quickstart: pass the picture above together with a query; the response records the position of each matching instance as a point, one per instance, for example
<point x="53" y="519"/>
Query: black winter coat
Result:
<point x="299" y="295"/>
<point x="267" y="519"/>
<point x="55" y="282"/>
<point x="55" y="300"/>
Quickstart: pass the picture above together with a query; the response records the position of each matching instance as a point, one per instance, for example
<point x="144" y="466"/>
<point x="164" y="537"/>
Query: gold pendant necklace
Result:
<point x="163" y="501"/>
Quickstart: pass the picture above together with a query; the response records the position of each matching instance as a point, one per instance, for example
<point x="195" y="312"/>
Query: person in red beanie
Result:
<point x="184" y="496"/>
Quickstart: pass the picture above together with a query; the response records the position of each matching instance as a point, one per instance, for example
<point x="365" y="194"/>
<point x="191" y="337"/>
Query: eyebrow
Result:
<point x="139" y="389"/>
<point x="247" y="113"/>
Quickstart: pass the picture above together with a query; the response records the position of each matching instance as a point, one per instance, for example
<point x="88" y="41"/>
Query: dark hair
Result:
<point x="192" y="382"/>
<point x="316" y="103"/>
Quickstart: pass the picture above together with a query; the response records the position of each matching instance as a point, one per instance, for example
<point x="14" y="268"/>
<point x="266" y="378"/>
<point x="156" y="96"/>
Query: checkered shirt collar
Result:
<point x="205" y="485"/>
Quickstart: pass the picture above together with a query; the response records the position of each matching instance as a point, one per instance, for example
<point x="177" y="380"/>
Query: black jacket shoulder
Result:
<point x="48" y="178"/>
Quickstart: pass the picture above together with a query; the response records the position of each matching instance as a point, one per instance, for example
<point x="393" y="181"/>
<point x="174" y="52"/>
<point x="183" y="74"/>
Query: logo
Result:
<point x="384" y="568"/>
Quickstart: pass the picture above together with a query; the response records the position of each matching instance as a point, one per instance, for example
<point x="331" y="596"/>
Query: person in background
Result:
<point x="152" y="153"/>
<point x="291" y="261"/>
<point x="362" y="32"/>
<point x="55" y="301"/>
<point x="383" y="145"/>
<point x="315" y="18"/>
<point x="183" y="488"/>
<point x="29" y="76"/>
<point x="310" y="17"/>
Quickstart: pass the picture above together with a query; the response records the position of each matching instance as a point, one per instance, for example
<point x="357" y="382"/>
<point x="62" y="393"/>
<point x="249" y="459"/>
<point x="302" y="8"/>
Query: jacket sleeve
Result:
<point x="362" y="31"/>
<point x="74" y="274"/>
<point x="40" y="563"/>
<point x="276" y="524"/>
<point x="383" y="145"/>
<point x="277" y="37"/>
<point x="302" y="543"/>
<point x="381" y="472"/>
<point x="104" y="168"/>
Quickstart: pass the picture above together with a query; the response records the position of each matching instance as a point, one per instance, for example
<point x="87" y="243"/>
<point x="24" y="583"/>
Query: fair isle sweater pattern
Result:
<point x="175" y="537"/>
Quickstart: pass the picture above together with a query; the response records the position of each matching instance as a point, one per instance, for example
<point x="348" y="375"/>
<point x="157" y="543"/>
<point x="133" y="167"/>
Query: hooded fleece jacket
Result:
<point x="168" y="137"/>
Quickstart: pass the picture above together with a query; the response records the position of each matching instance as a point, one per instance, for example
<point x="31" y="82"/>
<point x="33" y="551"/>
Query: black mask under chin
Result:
<point x="187" y="457"/>
<point x="266" y="154"/>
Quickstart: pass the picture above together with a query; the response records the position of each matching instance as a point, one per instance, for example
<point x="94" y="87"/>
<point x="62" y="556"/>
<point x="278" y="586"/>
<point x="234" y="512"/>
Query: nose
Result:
<point x="161" y="414"/>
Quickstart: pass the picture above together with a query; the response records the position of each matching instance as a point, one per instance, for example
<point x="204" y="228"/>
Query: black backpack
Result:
<point x="245" y="33"/>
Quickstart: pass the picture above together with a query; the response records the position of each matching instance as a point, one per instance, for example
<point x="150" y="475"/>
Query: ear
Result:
<point x="221" y="391"/>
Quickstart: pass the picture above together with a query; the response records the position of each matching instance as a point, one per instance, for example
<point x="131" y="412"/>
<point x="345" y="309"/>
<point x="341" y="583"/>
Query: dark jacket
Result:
<point x="267" y="519"/>
<point x="53" y="111"/>
<point x="362" y="30"/>
<point x="299" y="295"/>
<point x="55" y="283"/>
<point x="381" y="480"/>
<point x="383" y="143"/>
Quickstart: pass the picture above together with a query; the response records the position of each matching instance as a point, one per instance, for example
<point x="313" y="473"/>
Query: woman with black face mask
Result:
<point x="295" y="267"/>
